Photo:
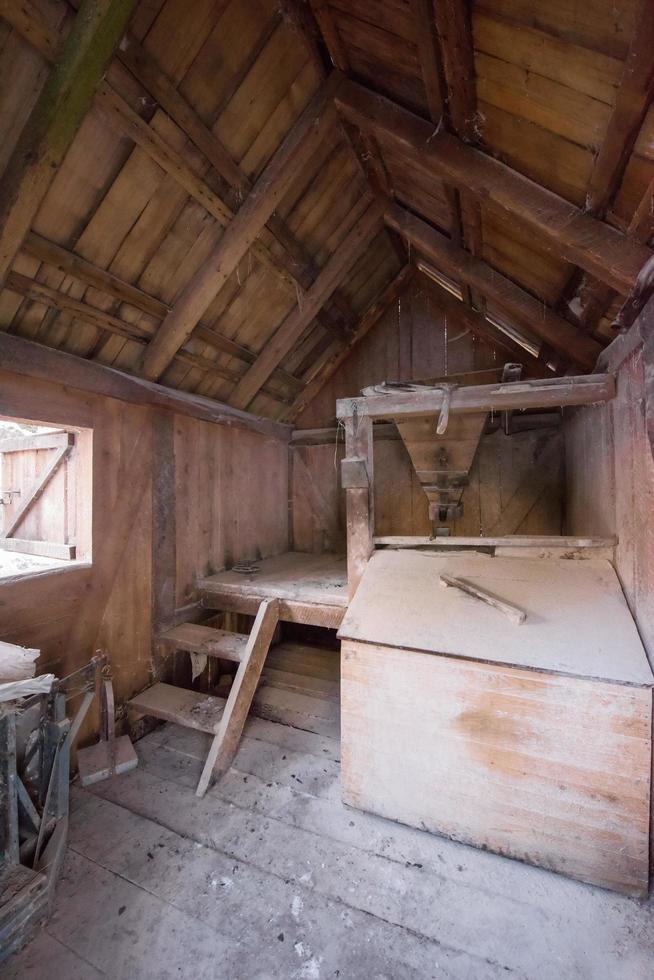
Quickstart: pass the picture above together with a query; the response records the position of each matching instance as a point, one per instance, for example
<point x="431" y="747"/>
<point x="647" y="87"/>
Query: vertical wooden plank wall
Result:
<point x="610" y="486"/>
<point x="505" y="475"/>
<point x="229" y="501"/>
<point x="414" y="341"/>
<point x="231" y="492"/>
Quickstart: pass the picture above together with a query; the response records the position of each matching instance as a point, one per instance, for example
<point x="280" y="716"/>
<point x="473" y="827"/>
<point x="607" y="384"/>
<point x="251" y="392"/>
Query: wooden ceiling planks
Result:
<point x="55" y="118"/>
<point x="210" y="90"/>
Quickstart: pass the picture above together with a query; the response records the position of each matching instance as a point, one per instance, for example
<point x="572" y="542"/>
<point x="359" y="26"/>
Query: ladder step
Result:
<point x="205" y="639"/>
<point x="176" y="704"/>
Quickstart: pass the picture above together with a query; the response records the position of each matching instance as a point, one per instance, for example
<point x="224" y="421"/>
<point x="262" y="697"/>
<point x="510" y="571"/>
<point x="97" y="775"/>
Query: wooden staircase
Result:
<point x="220" y="717"/>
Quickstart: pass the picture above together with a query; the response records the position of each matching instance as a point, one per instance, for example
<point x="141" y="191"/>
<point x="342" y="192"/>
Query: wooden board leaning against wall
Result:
<point x="209" y="503"/>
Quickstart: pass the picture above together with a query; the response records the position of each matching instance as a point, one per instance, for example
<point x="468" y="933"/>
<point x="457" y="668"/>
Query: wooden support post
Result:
<point x="360" y="511"/>
<point x="163" y="530"/>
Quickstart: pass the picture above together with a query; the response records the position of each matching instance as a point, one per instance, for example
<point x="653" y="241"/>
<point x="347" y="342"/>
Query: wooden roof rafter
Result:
<point x="123" y="292"/>
<point x="447" y="59"/>
<point x="519" y="305"/>
<point x="237" y="239"/>
<point x="337" y="353"/>
<point x="479" y="323"/>
<point x="334" y="271"/>
<point x="294" y="266"/>
<point x="569" y="232"/>
<point x="633" y="99"/>
<point x="56" y="116"/>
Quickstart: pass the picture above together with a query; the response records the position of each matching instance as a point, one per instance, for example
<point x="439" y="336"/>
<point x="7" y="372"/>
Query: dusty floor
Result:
<point x="270" y="876"/>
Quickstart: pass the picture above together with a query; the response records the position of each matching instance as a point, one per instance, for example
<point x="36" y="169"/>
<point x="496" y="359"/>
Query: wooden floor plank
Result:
<point x="159" y="882"/>
<point x="473" y="918"/>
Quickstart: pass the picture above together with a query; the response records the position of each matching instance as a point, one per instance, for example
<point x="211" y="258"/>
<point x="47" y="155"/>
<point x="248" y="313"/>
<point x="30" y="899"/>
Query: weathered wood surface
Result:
<point x="512" y="613"/>
<point x="522" y="308"/>
<point x="505" y="479"/>
<point x="67" y="614"/>
<point x="55" y="119"/>
<point x="33" y="361"/>
<point x="578" y="622"/>
<point x="504" y="396"/>
<point x="188" y="708"/>
<point x="530" y="765"/>
<point x="610" y="483"/>
<point x="205" y="640"/>
<point x="597" y="248"/>
<point x="312" y="589"/>
<point x="230" y="727"/>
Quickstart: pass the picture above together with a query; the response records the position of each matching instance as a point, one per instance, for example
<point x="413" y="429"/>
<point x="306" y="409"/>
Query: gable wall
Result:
<point x="415" y="341"/>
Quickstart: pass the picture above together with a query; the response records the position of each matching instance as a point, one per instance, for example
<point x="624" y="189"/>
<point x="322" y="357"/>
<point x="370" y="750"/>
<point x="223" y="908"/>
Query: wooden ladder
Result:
<point x="224" y="719"/>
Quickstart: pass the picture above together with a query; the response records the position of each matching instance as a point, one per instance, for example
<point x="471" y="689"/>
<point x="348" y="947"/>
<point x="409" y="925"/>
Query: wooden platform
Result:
<point x="312" y="589"/>
<point x="531" y="740"/>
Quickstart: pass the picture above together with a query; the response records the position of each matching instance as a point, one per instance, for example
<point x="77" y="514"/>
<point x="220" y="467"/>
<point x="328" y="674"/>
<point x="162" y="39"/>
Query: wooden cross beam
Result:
<point x="32" y="360"/>
<point x="569" y="232"/>
<point x="472" y="399"/>
<point x="103" y="321"/>
<point x="290" y="262"/>
<point x="201" y="290"/>
<point x="633" y="99"/>
<point x="55" y="119"/>
<point x="124" y="292"/>
<point x="520" y="305"/>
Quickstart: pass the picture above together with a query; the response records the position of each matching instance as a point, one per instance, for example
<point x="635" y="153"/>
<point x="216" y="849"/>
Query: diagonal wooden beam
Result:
<point x="329" y="31"/>
<point x="201" y="290"/>
<point x="524" y="308"/>
<point x="296" y="323"/>
<point x="144" y="68"/>
<point x="457" y="64"/>
<point x="37" y="489"/>
<point x="55" y="119"/>
<point x="290" y="259"/>
<point x="29" y="22"/>
<point x="428" y="56"/>
<point x="229" y="730"/>
<point x="92" y="275"/>
<point x="569" y="232"/>
<point x="317" y="20"/>
<point x="340" y="352"/>
<point x="31" y="360"/>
